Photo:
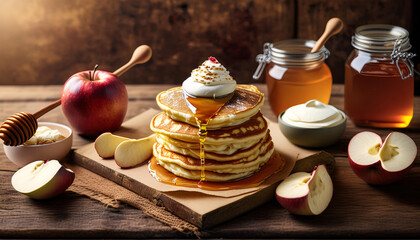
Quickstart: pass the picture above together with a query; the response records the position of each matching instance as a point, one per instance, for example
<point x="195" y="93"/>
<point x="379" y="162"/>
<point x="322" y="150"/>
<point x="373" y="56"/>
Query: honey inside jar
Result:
<point x="377" y="96"/>
<point x="288" y="87"/>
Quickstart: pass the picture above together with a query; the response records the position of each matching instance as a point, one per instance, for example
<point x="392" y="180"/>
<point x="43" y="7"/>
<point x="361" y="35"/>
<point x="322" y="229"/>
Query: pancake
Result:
<point x="253" y="129"/>
<point x="215" y="171"/>
<point x="228" y="148"/>
<point x="235" y="166"/>
<point x="196" y="174"/>
<point x="248" y="153"/>
<point x="245" y="103"/>
<point x="190" y="163"/>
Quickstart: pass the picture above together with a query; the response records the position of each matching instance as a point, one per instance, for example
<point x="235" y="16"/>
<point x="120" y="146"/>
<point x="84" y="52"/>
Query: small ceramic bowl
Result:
<point x="312" y="137"/>
<point x="23" y="154"/>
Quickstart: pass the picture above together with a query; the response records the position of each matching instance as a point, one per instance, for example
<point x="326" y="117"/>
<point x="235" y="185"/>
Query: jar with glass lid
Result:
<point x="293" y="74"/>
<point x="379" y="81"/>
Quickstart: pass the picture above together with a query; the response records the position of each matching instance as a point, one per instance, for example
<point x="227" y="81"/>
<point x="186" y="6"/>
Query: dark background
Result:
<point x="46" y="41"/>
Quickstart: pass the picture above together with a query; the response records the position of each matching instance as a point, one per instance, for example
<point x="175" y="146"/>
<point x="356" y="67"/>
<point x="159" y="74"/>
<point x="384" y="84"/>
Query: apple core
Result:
<point x="375" y="149"/>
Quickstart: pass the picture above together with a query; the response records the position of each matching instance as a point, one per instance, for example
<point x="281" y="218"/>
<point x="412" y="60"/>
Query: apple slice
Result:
<point x="106" y="144"/>
<point x="381" y="163"/>
<point x="133" y="152"/>
<point x="304" y="193"/>
<point x="42" y="179"/>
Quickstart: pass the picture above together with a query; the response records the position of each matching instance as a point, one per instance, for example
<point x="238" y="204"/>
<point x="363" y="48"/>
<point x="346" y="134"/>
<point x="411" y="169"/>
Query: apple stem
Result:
<point x="92" y="76"/>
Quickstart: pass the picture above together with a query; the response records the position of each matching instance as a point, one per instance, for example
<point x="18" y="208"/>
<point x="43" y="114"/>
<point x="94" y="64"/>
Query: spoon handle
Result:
<point x="142" y="54"/>
<point x="334" y="26"/>
<point x="47" y="109"/>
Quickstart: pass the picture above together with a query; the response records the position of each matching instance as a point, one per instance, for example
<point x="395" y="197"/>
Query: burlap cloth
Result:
<point x="112" y="195"/>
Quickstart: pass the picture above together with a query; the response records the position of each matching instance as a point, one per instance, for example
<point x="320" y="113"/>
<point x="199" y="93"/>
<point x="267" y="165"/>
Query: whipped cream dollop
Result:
<point x="210" y="79"/>
<point x="313" y="114"/>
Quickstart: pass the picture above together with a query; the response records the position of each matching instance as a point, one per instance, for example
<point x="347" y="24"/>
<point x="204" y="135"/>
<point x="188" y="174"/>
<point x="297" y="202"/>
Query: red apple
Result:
<point x="381" y="163"/>
<point x="42" y="179"/>
<point x="94" y="102"/>
<point x="304" y="193"/>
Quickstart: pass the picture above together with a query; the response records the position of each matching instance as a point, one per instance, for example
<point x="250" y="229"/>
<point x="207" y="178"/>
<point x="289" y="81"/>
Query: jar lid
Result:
<point x="380" y="38"/>
<point x="297" y="52"/>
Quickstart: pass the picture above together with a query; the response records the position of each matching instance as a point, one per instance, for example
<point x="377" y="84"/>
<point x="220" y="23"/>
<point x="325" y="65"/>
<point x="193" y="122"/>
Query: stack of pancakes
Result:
<point x="237" y="145"/>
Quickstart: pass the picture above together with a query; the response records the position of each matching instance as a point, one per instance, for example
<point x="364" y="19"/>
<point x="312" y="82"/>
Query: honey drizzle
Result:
<point x="204" y="109"/>
<point x="202" y="132"/>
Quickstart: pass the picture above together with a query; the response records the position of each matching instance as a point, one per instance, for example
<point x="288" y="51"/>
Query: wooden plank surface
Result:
<point x="357" y="210"/>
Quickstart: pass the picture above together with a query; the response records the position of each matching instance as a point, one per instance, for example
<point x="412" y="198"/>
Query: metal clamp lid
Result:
<point x="380" y="38"/>
<point x="262" y="60"/>
<point x="294" y="53"/>
<point x="398" y="55"/>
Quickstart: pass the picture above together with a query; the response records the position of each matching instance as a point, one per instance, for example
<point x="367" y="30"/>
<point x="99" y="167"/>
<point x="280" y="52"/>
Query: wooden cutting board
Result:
<point x="199" y="207"/>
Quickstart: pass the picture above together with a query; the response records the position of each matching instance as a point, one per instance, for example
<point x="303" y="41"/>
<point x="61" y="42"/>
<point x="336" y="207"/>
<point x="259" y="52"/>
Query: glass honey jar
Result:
<point x="379" y="81"/>
<point x="293" y="74"/>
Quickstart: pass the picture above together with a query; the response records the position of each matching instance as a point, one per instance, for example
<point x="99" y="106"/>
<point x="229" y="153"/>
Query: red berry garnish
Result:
<point x="213" y="60"/>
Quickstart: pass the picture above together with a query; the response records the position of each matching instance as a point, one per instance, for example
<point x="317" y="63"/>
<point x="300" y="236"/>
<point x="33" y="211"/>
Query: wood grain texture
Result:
<point x="46" y="41"/>
<point x="357" y="210"/>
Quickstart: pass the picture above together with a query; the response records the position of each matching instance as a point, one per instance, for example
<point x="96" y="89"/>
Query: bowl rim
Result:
<point x="47" y="144"/>
<point x="280" y="120"/>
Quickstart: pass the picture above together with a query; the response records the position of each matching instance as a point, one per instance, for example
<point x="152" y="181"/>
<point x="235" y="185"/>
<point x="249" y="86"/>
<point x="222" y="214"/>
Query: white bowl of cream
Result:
<point x="313" y="124"/>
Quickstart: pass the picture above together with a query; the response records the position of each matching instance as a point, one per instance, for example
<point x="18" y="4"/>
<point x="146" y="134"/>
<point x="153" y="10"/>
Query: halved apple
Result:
<point x="381" y="163"/>
<point x="106" y="144"/>
<point x="133" y="152"/>
<point x="42" y="179"/>
<point x="305" y="193"/>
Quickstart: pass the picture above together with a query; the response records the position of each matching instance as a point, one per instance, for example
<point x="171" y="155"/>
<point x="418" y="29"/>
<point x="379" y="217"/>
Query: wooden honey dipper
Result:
<point x="333" y="27"/>
<point x="20" y="127"/>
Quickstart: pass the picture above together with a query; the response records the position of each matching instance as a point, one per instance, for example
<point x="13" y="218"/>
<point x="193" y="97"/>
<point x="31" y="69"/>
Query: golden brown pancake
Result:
<point x="215" y="171"/>
<point x="228" y="148"/>
<point x="245" y="102"/>
<point x="241" y="153"/>
<point x="196" y="174"/>
<point x="235" y="166"/>
<point x="255" y="128"/>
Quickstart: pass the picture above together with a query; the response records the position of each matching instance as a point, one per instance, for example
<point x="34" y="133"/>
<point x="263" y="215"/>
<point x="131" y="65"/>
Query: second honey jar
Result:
<point x="379" y="81"/>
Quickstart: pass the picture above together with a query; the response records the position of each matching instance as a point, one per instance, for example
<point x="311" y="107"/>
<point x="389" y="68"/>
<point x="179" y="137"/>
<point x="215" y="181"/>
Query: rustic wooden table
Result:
<point x="357" y="209"/>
